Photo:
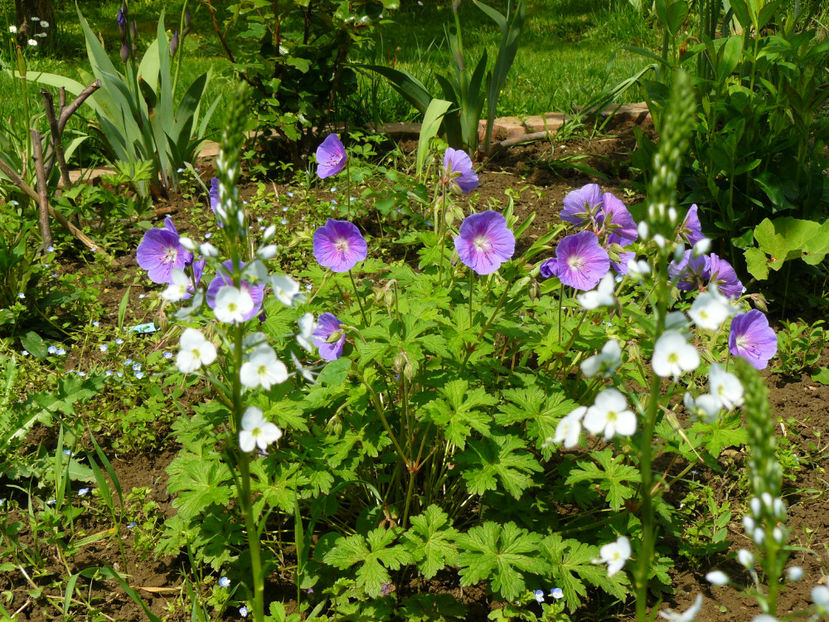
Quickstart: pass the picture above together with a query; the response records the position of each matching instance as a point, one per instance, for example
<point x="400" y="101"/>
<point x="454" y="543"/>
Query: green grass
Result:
<point x="569" y="51"/>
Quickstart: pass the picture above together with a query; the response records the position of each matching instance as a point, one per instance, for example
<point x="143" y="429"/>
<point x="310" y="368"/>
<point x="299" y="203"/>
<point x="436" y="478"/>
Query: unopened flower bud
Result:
<point x="672" y="215"/>
<point x="269" y="233"/>
<point x="745" y="558"/>
<point x="642" y="229"/>
<point x="125" y="52"/>
<point x="267" y="252"/>
<point x="660" y="240"/>
<point x="779" y="508"/>
<point x="702" y="247"/>
<point x="748" y="523"/>
<point x="187" y="243"/>
<point x="767" y="500"/>
<point x="777" y="534"/>
<point x="794" y="573"/>
<point x="756" y="508"/>
<point x="174" y="43"/>
<point x="208" y="250"/>
<point x="759" y="536"/>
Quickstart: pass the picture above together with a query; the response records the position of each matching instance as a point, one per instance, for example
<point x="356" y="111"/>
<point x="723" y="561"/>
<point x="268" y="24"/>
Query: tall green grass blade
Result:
<point x="108" y="466"/>
<point x="409" y="87"/>
<point x="122" y="308"/>
<point x="431" y="124"/>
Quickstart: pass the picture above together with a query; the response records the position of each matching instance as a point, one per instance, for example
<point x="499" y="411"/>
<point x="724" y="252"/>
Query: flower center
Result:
<point x="611" y="415"/>
<point x="256" y="432"/>
<point x="673" y="357"/>
<point x="232" y="307"/>
<point x="576" y="262"/>
<point x="742" y="342"/>
<point x="170" y="254"/>
<point x="342" y="245"/>
<point x="262" y="370"/>
<point x="482" y="244"/>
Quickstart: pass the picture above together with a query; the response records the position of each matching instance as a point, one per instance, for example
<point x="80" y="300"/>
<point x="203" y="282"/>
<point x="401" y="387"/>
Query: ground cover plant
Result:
<point x="405" y="384"/>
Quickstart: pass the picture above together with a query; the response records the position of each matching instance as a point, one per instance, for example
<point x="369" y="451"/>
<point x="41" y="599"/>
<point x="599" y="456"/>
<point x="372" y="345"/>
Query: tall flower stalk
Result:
<point x="676" y="126"/>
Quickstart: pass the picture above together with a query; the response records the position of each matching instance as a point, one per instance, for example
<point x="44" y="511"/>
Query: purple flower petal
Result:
<point x="582" y="262"/>
<point x="549" y="268"/>
<point x="692" y="272"/>
<point x="691" y="226"/>
<point x="722" y="273"/>
<point x="159" y="252"/>
<point x="485" y="242"/>
<point x="621" y="266"/>
<point x="331" y="157"/>
<point x="338" y="245"/>
<point x="752" y="338"/>
<point x="622" y="227"/>
<point x="327" y="325"/>
<point x="581" y="204"/>
<point x="458" y="167"/>
<point x="223" y="278"/>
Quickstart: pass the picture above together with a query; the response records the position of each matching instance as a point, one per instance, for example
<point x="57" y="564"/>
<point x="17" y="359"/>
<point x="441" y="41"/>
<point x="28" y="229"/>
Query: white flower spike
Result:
<point x="710" y="309"/>
<point x="717" y="577"/>
<point x="257" y="431"/>
<point x="263" y="369"/>
<point x="285" y="289"/>
<point x="672" y="355"/>
<point x="605" y="363"/>
<point x="194" y="351"/>
<point x="176" y="290"/>
<point x="568" y="429"/>
<point x="614" y="555"/>
<point x="602" y="296"/>
<point x="232" y="304"/>
<point x="307" y="326"/>
<point x="610" y="413"/>
<point x="725" y="387"/>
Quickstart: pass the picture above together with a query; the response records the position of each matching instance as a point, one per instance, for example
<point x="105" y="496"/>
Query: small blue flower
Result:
<point x="108" y="372"/>
<point x="333" y="188"/>
<point x="52" y="350"/>
<point x="120" y="374"/>
<point x="67" y="452"/>
<point x="285" y="209"/>
<point x="50" y="248"/>
<point x="302" y="219"/>
<point x="139" y="374"/>
<point x="128" y="362"/>
<point x="103" y="347"/>
<point x="136" y="367"/>
<point x="539" y="596"/>
<point x="224" y="582"/>
<point x="131" y="525"/>
<point x="24" y="352"/>
<point x="557" y="593"/>
<point x="208" y="235"/>
<point x="21" y="295"/>
<point x="259" y="219"/>
<point x="96" y="323"/>
<point x="51" y="502"/>
<point x="60" y="352"/>
<point x="82" y="492"/>
<point x="243" y="611"/>
<point x="284" y="222"/>
<point x="290" y="194"/>
<point x="82" y="374"/>
<point x="54" y="275"/>
<point x="141" y="296"/>
<point x="168" y="355"/>
<point x="119" y="341"/>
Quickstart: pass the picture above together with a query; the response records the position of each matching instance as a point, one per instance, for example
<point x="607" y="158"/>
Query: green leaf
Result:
<point x="611" y="475"/>
<point x="373" y="555"/>
<point x="821" y="376"/>
<point x="430" y="540"/>
<point x="499" y="554"/>
<point x="757" y="263"/>
<point x="34" y="345"/>
<point x="572" y="564"/>
<point x="431" y="124"/>
<point x="457" y="414"/>
<point x="487" y="462"/>
<point x="198" y="483"/>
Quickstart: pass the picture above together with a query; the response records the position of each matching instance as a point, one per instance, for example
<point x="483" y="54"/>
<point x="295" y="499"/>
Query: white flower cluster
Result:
<point x="609" y="414"/>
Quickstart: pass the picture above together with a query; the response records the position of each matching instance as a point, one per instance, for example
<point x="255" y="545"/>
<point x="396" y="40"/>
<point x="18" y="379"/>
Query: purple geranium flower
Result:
<point x="691" y="271"/>
<point x="485" y="242"/>
<point x="223" y="278"/>
<point x="580" y="261"/>
<point x="752" y="338"/>
<point x="160" y="252"/>
<point x="338" y="245"/>
<point x="691" y="227"/>
<point x="582" y="204"/>
<point x="722" y="273"/>
<point x="327" y="325"/>
<point x="458" y="168"/>
<point x="331" y="157"/>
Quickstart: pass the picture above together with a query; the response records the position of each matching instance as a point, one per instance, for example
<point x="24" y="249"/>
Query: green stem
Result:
<point x="471" y="294"/>
<point x="357" y="295"/>
<point x="486" y="327"/>
<point x="245" y="501"/>
<point x="645" y="464"/>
